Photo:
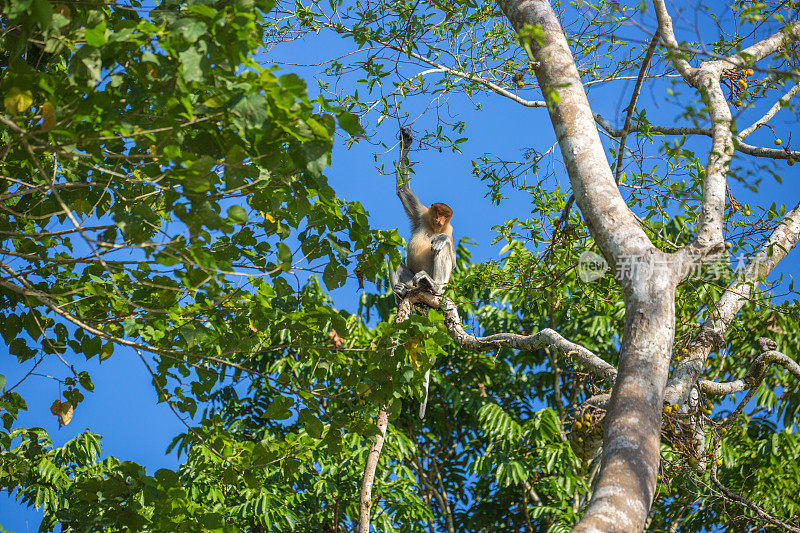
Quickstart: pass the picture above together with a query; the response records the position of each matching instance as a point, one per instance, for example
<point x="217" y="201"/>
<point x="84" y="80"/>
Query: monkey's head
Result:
<point x="440" y="216"/>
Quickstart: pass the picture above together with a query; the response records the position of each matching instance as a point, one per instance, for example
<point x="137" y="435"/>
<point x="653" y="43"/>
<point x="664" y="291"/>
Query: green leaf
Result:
<point x="190" y="61"/>
<point x="167" y="478"/>
<point x="312" y="424"/>
<point x="43" y="12"/>
<point x="278" y="409"/>
<point x="334" y="275"/>
<point x="251" y="112"/>
<point x="96" y="36"/>
<point x="316" y="155"/>
<point x="350" y="123"/>
<point x="203" y="10"/>
<point x="86" y="381"/>
<point x="237" y="214"/>
<point x="191" y="29"/>
<point x="107" y="351"/>
<point x="293" y="84"/>
<point x="284" y="253"/>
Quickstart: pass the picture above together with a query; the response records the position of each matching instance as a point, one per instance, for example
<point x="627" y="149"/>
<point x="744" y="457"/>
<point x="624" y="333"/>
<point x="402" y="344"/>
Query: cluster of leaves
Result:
<point x="161" y="191"/>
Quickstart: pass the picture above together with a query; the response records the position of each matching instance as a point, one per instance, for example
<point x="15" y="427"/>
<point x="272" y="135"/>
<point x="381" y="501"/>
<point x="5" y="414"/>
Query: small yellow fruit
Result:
<point x="684" y="351"/>
<point x="790" y="161"/>
<point x="719" y="462"/>
<point x="580" y="439"/>
<point x="741" y="83"/>
<point x="667" y="409"/>
<point x="728" y="246"/>
<point x="749" y="72"/>
<point x="778" y="142"/>
<point x="577" y="425"/>
<point x="587" y="416"/>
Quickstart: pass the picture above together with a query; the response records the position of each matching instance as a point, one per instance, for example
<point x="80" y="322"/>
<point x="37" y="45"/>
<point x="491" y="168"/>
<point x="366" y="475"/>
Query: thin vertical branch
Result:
<point x="369" y="472"/>
<point x="371" y="464"/>
<point x="651" y="48"/>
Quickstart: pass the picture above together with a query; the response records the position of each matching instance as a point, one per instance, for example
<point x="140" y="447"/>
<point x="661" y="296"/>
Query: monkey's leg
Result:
<point x="442" y="267"/>
<point x="401" y="280"/>
<point x="423" y="280"/>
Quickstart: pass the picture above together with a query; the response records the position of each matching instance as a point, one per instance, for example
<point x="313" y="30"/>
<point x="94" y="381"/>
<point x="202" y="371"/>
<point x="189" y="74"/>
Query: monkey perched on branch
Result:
<point x="431" y="254"/>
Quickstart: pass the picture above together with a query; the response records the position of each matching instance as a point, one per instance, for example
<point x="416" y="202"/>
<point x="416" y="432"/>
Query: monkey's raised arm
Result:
<point x="414" y="208"/>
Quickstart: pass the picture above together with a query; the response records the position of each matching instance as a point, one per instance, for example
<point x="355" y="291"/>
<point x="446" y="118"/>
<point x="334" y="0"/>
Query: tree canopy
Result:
<point x="164" y="196"/>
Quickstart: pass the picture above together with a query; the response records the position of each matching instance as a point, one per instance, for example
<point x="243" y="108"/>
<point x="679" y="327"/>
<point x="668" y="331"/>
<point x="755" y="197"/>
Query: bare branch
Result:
<point x="771" y="113"/>
<point x="757" y="151"/>
<point x="371" y="464"/>
<point x="369" y="472"/>
<point x="782" y="240"/>
<point x="590" y="175"/>
<point x="754" y="376"/>
<point x="763" y="48"/>
<point x="546" y="337"/>
<point x="651" y="48"/>
<point x="667" y="35"/>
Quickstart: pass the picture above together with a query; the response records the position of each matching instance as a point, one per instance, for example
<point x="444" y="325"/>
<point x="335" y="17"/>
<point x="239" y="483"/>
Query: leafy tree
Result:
<point x="163" y="194"/>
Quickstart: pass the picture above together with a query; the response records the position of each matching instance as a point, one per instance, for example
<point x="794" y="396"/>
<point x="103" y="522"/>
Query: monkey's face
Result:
<point x="441" y="215"/>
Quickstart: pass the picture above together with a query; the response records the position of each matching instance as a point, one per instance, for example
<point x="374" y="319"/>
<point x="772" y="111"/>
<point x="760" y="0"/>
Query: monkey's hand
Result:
<point x="400" y="289"/>
<point x="439" y="242"/>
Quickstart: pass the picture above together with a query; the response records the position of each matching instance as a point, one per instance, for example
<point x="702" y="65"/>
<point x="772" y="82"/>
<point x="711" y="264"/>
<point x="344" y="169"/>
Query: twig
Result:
<point x="651" y="48"/>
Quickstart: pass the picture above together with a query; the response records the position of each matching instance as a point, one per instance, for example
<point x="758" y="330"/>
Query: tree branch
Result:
<point x="371" y="464"/>
<point x="748" y="149"/>
<point x="782" y="101"/>
<point x="780" y="242"/>
<point x="651" y="48"/>
<point x="369" y="472"/>
<point x="546" y="337"/>
<point x="754" y="376"/>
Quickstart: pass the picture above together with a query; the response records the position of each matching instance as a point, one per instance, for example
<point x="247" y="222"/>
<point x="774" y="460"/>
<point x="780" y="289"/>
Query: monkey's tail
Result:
<point x="424" y="403"/>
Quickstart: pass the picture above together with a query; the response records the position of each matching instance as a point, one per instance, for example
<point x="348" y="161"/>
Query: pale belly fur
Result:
<point x="420" y="255"/>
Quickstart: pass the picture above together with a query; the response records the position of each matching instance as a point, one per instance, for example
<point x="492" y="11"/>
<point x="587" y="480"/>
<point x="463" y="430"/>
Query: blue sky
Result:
<point x="122" y="407"/>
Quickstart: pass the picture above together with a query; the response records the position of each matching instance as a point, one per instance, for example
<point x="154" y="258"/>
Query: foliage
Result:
<point x="163" y="195"/>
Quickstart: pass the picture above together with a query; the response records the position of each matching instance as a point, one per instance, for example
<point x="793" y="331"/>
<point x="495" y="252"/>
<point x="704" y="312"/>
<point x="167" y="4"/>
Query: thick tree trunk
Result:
<point x="631" y="452"/>
<point x="631" y="444"/>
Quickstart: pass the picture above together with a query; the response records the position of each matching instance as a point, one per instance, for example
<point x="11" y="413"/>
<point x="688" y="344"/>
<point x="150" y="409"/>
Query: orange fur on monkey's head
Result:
<point x="440" y="216"/>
